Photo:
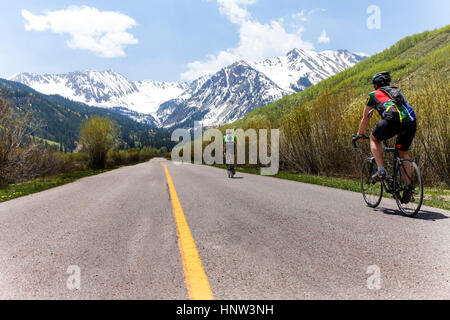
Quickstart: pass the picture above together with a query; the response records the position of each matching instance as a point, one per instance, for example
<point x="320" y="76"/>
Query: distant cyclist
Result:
<point x="229" y="150"/>
<point x="398" y="119"/>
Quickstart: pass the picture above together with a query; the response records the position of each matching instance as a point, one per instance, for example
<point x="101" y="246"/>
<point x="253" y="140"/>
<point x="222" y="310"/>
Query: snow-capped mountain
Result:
<point x="242" y="87"/>
<point x="301" y="68"/>
<point x="105" y="89"/>
<point x="214" y="99"/>
<point x="223" y="97"/>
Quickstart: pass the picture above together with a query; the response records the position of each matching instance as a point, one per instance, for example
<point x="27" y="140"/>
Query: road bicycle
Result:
<point x="231" y="172"/>
<point x="404" y="182"/>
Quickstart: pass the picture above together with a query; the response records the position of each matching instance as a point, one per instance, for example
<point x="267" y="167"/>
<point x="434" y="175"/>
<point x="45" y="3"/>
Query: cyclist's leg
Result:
<point x="384" y="130"/>
<point x="406" y="166"/>
<point x="404" y="141"/>
<point x="376" y="147"/>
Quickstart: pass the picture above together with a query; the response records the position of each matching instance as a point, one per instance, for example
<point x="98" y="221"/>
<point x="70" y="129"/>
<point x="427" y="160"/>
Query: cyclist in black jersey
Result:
<point x="398" y="119"/>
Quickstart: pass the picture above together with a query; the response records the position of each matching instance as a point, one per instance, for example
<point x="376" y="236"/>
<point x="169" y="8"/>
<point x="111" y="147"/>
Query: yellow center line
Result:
<point x="195" y="277"/>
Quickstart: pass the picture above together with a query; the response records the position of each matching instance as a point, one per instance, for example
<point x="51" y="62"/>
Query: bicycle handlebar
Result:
<point x="355" y="140"/>
<point x="386" y="147"/>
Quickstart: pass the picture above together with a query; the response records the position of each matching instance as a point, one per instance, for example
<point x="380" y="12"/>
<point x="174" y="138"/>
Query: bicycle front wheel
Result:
<point x="371" y="189"/>
<point x="409" y="195"/>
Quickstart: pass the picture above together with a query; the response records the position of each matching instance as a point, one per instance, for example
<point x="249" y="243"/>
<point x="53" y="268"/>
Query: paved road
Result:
<point x="257" y="238"/>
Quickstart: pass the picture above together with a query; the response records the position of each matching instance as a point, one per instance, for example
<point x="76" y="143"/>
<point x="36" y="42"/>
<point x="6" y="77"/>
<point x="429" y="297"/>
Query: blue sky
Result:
<point x="173" y="40"/>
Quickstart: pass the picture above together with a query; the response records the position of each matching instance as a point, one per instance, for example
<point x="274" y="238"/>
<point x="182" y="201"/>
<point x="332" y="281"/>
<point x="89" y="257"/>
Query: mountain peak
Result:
<point x="300" y="68"/>
<point x="14" y="76"/>
<point x="240" y="63"/>
<point x="295" y="53"/>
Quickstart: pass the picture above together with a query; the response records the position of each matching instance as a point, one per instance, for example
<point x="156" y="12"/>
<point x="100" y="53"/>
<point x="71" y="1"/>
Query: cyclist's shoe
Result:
<point x="380" y="175"/>
<point x="407" y="194"/>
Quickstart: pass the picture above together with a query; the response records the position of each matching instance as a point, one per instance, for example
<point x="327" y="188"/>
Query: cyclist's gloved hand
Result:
<point x="359" y="137"/>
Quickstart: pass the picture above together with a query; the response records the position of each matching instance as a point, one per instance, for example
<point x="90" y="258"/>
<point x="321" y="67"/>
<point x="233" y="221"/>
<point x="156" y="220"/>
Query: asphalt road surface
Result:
<point x="256" y="237"/>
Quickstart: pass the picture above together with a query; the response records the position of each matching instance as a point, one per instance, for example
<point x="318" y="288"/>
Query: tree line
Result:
<point x="25" y="156"/>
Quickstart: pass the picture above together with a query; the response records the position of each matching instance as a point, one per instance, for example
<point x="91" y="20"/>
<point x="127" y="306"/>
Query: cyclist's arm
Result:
<point x="365" y="121"/>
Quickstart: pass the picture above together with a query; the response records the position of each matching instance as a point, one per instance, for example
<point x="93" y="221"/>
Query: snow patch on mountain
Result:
<point x="105" y="89"/>
<point x="302" y="68"/>
<point x="223" y="97"/>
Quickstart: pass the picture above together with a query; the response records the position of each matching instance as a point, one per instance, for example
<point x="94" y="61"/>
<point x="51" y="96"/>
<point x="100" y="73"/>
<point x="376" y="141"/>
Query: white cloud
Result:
<point x="324" y="38"/>
<point x="235" y="9"/>
<point x="313" y="11"/>
<point x="300" y="16"/>
<point x="103" y="32"/>
<point x="257" y="41"/>
<point x="303" y="15"/>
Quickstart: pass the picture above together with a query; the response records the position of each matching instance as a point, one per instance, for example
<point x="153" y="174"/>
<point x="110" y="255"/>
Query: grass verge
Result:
<point x="25" y="188"/>
<point x="433" y="197"/>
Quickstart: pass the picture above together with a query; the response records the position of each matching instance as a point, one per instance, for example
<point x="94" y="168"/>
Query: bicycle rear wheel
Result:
<point x="410" y="194"/>
<point x="229" y="171"/>
<point x="372" y="190"/>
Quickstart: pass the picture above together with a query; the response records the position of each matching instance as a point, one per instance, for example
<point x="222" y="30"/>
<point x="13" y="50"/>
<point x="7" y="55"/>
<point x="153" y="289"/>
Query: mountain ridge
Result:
<point x="225" y="96"/>
<point x="284" y="75"/>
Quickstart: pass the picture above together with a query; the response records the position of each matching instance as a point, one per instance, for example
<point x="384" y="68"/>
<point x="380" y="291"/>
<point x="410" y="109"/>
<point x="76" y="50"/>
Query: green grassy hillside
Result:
<point x="317" y="124"/>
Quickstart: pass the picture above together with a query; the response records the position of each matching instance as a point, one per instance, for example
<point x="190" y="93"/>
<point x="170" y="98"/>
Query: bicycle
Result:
<point x="406" y="186"/>
<point x="230" y="169"/>
<point x="230" y="165"/>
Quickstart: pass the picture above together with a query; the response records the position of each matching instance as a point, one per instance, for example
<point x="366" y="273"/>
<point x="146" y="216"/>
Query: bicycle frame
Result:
<point x="391" y="184"/>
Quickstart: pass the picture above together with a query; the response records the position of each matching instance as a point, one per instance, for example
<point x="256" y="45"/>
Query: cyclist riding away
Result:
<point x="398" y="119"/>
<point x="229" y="150"/>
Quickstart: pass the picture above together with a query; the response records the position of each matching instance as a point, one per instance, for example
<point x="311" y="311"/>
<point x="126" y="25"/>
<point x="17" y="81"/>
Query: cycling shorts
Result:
<point x="405" y="132"/>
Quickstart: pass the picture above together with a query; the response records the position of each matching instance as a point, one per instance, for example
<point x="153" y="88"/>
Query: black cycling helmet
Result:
<point x="381" y="79"/>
